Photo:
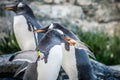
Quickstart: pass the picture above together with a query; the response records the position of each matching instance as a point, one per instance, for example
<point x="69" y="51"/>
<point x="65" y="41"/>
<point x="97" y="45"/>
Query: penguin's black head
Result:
<point x="56" y="34"/>
<point x="19" y="8"/>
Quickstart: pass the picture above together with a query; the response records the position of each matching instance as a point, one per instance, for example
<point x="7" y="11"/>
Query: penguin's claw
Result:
<point x="39" y="31"/>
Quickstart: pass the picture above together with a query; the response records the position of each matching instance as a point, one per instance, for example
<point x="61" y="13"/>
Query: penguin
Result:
<point x="49" y="64"/>
<point x="75" y="62"/>
<point x="69" y="33"/>
<point x="39" y="70"/>
<point x="23" y="25"/>
<point x="24" y="22"/>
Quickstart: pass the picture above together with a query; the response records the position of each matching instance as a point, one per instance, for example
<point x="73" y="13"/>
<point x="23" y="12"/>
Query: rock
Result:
<point x="116" y="67"/>
<point x="58" y="11"/>
<point x="71" y="1"/>
<point x="59" y="1"/>
<point x="107" y="13"/>
<point x="84" y="2"/>
<point x="103" y="72"/>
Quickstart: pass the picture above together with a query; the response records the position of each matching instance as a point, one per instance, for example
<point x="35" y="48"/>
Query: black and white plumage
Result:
<point x="75" y="60"/>
<point x="77" y="65"/>
<point x="49" y="65"/>
<point x="50" y="47"/>
<point x="30" y="22"/>
<point x="24" y="23"/>
<point x="69" y="33"/>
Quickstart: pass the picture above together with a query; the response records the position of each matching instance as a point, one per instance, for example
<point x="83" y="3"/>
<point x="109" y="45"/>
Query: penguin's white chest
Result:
<point x="69" y="62"/>
<point x="24" y="37"/>
<point x="50" y="70"/>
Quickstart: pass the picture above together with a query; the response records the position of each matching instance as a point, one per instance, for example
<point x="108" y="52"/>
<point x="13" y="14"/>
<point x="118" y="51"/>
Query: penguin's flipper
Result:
<point x="86" y="48"/>
<point x="32" y="22"/>
<point x="21" y="69"/>
<point x="91" y="54"/>
<point x="28" y="56"/>
<point x="84" y="65"/>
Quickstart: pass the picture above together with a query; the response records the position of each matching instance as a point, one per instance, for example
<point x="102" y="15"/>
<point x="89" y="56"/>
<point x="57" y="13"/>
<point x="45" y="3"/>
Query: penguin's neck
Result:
<point x="24" y="37"/>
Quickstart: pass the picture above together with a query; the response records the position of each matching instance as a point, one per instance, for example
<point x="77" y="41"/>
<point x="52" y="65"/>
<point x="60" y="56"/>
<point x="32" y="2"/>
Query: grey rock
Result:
<point x="84" y="2"/>
<point x="107" y="13"/>
<point x="102" y="71"/>
<point x="57" y="11"/>
<point x="115" y="67"/>
<point x="59" y="1"/>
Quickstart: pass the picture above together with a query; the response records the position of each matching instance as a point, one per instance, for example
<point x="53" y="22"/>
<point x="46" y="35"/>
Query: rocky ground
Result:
<point x="103" y="72"/>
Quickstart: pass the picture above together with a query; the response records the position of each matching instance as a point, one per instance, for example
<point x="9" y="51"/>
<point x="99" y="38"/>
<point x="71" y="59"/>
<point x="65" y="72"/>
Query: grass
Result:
<point x="9" y="44"/>
<point x="105" y="48"/>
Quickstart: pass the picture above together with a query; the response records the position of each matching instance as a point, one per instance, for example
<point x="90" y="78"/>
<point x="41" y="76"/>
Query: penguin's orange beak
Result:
<point x="39" y="31"/>
<point x="9" y="9"/>
<point x="70" y="41"/>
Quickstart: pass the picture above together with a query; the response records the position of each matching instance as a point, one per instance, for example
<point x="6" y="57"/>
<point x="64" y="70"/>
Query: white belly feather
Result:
<point x="69" y="62"/>
<point x="50" y="70"/>
<point x="24" y="37"/>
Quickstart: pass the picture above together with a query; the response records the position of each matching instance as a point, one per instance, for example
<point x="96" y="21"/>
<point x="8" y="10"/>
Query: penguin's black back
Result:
<point x="85" y="70"/>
